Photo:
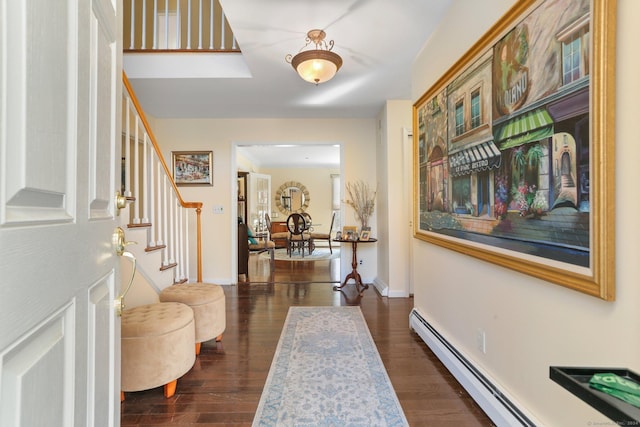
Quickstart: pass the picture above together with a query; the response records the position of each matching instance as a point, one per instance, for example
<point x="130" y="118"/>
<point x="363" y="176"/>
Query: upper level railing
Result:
<point x="157" y="204"/>
<point x="176" y="25"/>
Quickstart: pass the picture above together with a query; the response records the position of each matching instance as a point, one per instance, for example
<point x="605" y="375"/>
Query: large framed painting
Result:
<point x="514" y="146"/>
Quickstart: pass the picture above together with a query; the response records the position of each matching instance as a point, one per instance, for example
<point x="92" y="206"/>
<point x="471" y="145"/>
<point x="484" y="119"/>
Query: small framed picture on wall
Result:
<point x="193" y="167"/>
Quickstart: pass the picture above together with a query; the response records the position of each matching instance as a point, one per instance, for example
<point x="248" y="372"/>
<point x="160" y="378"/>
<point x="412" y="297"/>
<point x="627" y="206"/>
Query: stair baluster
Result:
<point x="157" y="206"/>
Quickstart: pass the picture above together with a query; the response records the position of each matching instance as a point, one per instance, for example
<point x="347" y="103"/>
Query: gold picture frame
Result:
<point x="517" y="137"/>
<point x="349" y="232"/>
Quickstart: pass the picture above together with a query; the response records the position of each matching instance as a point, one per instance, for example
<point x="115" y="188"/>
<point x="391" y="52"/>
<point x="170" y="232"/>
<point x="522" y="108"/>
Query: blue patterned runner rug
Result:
<point x="327" y="372"/>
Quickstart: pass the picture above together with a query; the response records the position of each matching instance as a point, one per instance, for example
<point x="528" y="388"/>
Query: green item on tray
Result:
<point x="617" y="386"/>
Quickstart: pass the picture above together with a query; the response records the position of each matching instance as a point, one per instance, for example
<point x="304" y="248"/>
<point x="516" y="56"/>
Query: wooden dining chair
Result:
<point x="284" y="235"/>
<point x="308" y="220"/>
<point x="325" y="236"/>
<point x="299" y="238"/>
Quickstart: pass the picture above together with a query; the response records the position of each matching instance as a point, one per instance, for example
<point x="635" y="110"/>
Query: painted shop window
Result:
<point x="462" y="195"/>
<point x="459" y="118"/>
<point x="476" y="118"/>
<point x="575" y="61"/>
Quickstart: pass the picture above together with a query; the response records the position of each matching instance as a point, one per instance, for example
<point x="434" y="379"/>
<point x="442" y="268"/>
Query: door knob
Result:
<point x="119" y="241"/>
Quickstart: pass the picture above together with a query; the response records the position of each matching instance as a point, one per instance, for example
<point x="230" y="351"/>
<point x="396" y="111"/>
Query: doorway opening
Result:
<point x="316" y="170"/>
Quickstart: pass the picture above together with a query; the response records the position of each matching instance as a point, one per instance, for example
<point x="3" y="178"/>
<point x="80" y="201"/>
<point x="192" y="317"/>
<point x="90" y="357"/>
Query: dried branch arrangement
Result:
<point x="362" y="198"/>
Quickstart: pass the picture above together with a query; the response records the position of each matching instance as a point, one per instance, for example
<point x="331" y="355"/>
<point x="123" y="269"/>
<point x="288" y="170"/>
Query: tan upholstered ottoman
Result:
<point x="208" y="303"/>
<point x="157" y="346"/>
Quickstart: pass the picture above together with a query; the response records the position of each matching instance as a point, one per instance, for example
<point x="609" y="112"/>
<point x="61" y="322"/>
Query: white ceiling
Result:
<point x="288" y="156"/>
<point x="377" y="40"/>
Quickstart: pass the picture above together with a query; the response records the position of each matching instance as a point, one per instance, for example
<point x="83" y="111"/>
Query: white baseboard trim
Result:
<point x="501" y="409"/>
<point x="397" y="294"/>
<point x="221" y="282"/>
<point x="382" y="287"/>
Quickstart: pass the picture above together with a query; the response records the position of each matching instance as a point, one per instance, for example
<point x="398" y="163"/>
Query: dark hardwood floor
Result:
<point x="225" y="384"/>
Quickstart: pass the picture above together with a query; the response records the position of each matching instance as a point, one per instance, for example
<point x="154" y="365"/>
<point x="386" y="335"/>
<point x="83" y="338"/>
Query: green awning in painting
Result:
<point x="532" y="126"/>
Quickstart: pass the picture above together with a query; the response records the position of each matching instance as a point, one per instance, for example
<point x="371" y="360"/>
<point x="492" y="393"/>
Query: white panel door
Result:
<point x="259" y="188"/>
<point x="60" y="77"/>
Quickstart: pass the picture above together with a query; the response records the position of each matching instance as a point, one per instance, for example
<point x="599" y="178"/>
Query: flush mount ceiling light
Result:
<point x="316" y="65"/>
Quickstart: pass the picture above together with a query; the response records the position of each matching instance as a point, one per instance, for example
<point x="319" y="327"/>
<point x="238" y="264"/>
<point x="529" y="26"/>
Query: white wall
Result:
<point x="357" y="139"/>
<point x="531" y="324"/>
<point x="392" y="207"/>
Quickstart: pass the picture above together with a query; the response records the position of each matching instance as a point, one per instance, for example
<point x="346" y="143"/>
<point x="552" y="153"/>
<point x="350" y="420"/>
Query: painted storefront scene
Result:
<point x="503" y="149"/>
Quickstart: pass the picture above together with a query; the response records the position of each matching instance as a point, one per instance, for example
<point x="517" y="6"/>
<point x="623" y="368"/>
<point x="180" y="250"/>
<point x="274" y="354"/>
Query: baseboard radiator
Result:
<point x="493" y="402"/>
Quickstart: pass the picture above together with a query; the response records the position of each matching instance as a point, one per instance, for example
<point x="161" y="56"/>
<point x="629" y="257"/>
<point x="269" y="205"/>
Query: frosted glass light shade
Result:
<point x="316" y="66"/>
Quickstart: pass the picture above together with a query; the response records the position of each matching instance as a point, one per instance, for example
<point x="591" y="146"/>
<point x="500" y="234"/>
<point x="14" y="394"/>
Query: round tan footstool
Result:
<point x="208" y="304"/>
<point x="157" y="346"/>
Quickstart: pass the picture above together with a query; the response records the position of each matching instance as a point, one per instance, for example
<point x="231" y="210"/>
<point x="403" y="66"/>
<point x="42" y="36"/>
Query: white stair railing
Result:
<point x="192" y="25"/>
<point x="156" y="204"/>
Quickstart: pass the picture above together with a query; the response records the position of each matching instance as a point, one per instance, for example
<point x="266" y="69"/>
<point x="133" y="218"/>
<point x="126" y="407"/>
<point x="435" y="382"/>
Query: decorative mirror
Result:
<point x="292" y="197"/>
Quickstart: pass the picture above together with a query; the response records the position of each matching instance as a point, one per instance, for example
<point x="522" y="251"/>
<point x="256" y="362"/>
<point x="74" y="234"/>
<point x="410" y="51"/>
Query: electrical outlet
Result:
<point x="218" y="209"/>
<point x="360" y="262"/>
<point x="481" y="341"/>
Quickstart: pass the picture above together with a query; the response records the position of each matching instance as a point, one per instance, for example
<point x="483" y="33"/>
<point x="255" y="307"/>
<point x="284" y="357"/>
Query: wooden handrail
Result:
<point x="189" y="205"/>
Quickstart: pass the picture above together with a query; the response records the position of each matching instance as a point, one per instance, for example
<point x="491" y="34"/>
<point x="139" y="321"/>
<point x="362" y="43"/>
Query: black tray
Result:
<point x="576" y="380"/>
